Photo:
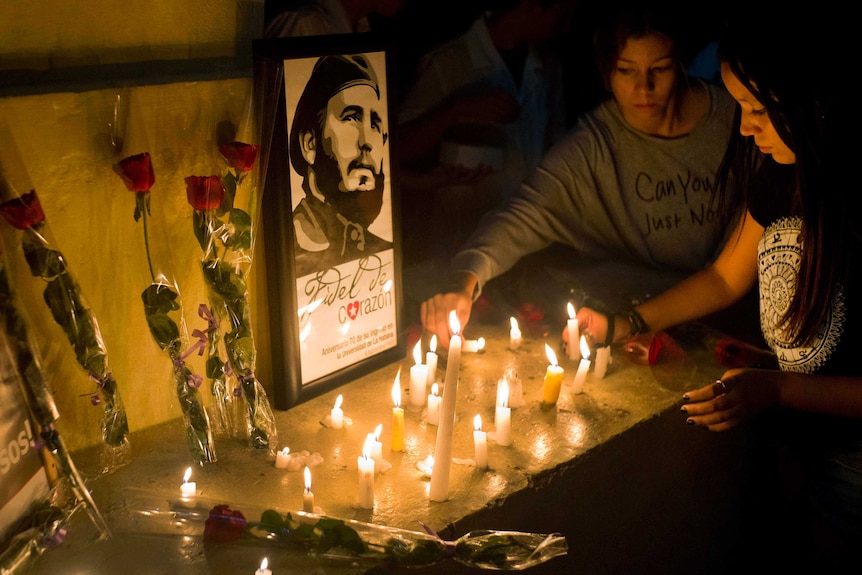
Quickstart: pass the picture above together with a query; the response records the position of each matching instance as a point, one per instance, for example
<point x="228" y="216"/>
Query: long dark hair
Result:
<point x="784" y="60"/>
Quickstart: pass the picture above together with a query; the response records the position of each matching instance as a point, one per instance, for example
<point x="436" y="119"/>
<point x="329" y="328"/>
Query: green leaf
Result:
<point x="214" y="367"/>
<point x="201" y="228"/>
<point x="163" y="329"/>
<point x="159" y="298"/>
<point x="44" y="263"/>
<point x="229" y="182"/>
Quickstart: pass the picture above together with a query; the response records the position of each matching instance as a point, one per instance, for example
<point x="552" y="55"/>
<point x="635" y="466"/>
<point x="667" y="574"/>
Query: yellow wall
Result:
<point x="63" y="140"/>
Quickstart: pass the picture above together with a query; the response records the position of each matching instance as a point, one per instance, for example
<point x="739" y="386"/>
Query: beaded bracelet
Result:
<point x="636" y="322"/>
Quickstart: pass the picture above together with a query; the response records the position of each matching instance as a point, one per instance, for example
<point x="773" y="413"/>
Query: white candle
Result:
<point x="480" y="443"/>
<point x="377" y="448"/>
<point x="188" y="488"/>
<point x="553" y="379"/>
<point x="336" y="416"/>
<point x="397" y="415"/>
<point x="433" y="415"/>
<point x="473" y="345"/>
<point x="515" y="338"/>
<point x="516" y="388"/>
<point x="282" y="458"/>
<point x="431" y="360"/>
<point x="264" y="568"/>
<point x="366" y="477"/>
<point x="418" y="378"/>
<point x="603" y="358"/>
<point x="439" y="488"/>
<point x="503" y="416"/>
<point x="572" y="332"/>
<point x="307" y="495"/>
<point x="583" y="367"/>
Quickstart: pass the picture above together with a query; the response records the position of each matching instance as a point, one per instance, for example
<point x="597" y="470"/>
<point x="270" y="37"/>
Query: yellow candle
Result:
<point x="397" y="415"/>
<point x="553" y="378"/>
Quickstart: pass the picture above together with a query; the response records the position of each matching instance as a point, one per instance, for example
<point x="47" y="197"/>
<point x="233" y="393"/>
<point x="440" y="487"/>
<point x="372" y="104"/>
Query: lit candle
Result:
<point x="583" y="367"/>
<point x="188" y="488"/>
<point x="474" y="345"/>
<point x="366" y="477"/>
<point x="397" y="415"/>
<point x="514" y="334"/>
<point x="480" y="443"/>
<point x="264" y="568"/>
<point x="572" y="332"/>
<point x="336" y="416"/>
<point x="439" y="488"/>
<point x="282" y="458"/>
<point x="431" y="360"/>
<point x="433" y="415"/>
<point x="603" y="358"/>
<point x="377" y="448"/>
<point x="307" y="495"/>
<point x="553" y="379"/>
<point x="503" y="416"/>
<point x="418" y="378"/>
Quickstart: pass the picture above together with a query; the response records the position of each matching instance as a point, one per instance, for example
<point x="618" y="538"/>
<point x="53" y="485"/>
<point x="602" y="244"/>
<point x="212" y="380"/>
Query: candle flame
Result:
<point x="285" y="451"/>
<point x="454" y="325"/>
<point x="514" y="323"/>
<point x="338" y="401"/>
<point x="377" y="431"/>
<point x="366" y="447"/>
<point x="433" y="345"/>
<point x="188" y="475"/>
<point x="552" y="357"/>
<point x="307" y="479"/>
<point x="571" y="310"/>
<point x="503" y="393"/>
<point x="417" y="352"/>
<point x="396" y="389"/>
<point x="585" y="348"/>
<point x="264" y="564"/>
<point x="480" y="343"/>
<point x="477" y="422"/>
<point x="435" y="389"/>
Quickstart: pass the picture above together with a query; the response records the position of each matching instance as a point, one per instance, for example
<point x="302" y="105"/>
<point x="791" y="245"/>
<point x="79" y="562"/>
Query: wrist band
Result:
<point x="636" y="323"/>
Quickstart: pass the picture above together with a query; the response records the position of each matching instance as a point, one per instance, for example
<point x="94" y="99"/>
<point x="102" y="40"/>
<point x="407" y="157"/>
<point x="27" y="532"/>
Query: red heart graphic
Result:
<point x="353" y="309"/>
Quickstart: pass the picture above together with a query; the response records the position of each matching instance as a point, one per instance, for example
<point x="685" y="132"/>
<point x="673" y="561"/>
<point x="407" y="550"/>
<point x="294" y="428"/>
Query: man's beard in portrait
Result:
<point x="361" y="207"/>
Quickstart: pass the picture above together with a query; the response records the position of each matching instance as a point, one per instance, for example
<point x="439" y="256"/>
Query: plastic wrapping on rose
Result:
<point x="42" y="526"/>
<point x="224" y="229"/>
<point x="161" y="300"/>
<point x="70" y="311"/>
<point x="343" y="539"/>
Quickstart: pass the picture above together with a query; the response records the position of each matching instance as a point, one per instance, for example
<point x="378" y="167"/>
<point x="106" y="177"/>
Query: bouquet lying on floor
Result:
<point x="347" y="539"/>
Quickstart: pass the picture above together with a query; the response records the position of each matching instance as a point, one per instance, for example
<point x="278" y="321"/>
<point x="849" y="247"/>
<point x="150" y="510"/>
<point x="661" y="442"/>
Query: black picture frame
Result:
<point x="335" y="301"/>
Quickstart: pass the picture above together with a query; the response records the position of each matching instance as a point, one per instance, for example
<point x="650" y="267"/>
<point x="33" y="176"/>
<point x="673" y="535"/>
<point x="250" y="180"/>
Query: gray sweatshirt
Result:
<point x="612" y="192"/>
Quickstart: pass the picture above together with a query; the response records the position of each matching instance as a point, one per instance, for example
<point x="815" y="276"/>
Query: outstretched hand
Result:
<point x="591" y="323"/>
<point x="731" y="400"/>
<point x="434" y="313"/>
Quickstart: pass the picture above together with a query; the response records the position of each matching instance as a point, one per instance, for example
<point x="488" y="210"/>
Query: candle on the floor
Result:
<point x="418" y="378"/>
<point x="366" y="477"/>
<point x="474" y="345"/>
<point x="433" y="415"/>
<point x="397" y="415"/>
<point x="264" y="568"/>
<point x="439" y="488"/>
<point x="583" y="367"/>
<point x="431" y="360"/>
<point x="480" y="443"/>
<point x="553" y="378"/>
<point x="572" y="332"/>
<point x="503" y="416"/>
<point x="188" y="488"/>
<point x="307" y="495"/>
<point x="336" y="416"/>
<point x="282" y="458"/>
<point x="603" y="358"/>
<point x="515" y="338"/>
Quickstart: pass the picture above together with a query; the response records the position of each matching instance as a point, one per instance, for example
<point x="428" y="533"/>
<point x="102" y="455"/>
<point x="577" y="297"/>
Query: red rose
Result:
<point x="137" y="172"/>
<point x="239" y="155"/>
<point x="204" y="192"/>
<point x="23" y="212"/>
<point x="224" y="525"/>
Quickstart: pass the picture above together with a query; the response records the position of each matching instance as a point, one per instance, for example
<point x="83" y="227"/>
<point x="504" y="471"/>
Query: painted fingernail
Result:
<point x="685" y="397"/>
<point x="689" y="422"/>
<point x="683" y="409"/>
